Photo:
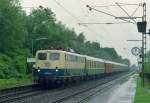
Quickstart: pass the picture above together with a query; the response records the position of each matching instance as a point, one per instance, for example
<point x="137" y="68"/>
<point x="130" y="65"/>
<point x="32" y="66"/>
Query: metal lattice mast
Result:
<point x="143" y="44"/>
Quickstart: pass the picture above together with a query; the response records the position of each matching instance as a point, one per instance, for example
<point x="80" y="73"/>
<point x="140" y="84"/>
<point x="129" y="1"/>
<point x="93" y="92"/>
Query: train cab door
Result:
<point x="107" y="68"/>
<point x="86" y="66"/>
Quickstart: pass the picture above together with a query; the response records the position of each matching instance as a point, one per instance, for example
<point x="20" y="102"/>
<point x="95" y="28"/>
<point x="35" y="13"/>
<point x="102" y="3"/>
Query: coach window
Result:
<point x="79" y="59"/>
<point x="94" y="64"/>
<point x="76" y="58"/>
<point x="99" y="66"/>
<point x="73" y="58"/>
<point x="89" y="64"/>
<point x="54" y="56"/>
<point x="42" y="56"/>
<point x="68" y="58"/>
<point x="82" y="60"/>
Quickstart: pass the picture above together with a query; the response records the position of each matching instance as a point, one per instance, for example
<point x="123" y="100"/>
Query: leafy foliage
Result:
<point x="12" y="32"/>
<point x="12" y="36"/>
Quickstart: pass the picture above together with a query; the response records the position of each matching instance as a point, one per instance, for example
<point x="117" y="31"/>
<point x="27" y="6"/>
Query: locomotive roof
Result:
<point x="61" y="51"/>
<point x="88" y="57"/>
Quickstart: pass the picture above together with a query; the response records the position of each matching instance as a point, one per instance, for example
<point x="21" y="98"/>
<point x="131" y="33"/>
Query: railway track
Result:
<point x="81" y="96"/>
<point x="9" y="90"/>
<point x="32" y="95"/>
<point x="9" y="94"/>
<point x="73" y="96"/>
<point x="17" y="93"/>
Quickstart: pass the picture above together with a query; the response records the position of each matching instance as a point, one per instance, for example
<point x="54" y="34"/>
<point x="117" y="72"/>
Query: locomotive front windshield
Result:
<point x="54" y="56"/>
<point x="42" y="56"/>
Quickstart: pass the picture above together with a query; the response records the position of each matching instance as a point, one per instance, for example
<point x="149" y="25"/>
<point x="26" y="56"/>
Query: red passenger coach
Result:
<point x="107" y="68"/>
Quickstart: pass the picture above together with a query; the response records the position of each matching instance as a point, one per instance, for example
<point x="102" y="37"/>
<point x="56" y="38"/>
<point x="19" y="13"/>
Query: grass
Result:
<point x="142" y="93"/>
<point x="13" y="82"/>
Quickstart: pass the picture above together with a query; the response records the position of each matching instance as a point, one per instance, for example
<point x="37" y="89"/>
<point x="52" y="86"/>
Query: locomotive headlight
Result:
<point x="56" y="70"/>
<point x="38" y="70"/>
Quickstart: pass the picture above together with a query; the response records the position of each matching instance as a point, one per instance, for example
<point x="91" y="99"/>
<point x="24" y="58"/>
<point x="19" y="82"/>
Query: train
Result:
<point x="58" y="66"/>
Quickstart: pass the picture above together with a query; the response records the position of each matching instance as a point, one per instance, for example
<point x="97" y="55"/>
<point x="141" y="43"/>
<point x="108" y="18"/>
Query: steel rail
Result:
<point x="26" y="94"/>
<point x="106" y="83"/>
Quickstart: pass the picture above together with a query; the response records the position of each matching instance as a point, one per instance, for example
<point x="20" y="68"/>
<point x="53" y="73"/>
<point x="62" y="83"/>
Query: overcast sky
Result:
<point x="72" y="12"/>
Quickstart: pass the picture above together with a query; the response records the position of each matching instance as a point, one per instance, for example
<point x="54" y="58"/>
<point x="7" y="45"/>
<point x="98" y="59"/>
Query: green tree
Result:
<point x="42" y="23"/>
<point x="81" y="38"/>
<point x="12" y="32"/>
<point x="12" y="37"/>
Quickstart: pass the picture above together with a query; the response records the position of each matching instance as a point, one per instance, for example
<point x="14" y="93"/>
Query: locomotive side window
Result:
<point x="54" y="56"/>
<point x="42" y="56"/>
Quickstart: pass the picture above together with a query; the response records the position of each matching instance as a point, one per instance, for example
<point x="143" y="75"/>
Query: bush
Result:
<point x="20" y="64"/>
<point x="13" y="65"/>
<point x="5" y="62"/>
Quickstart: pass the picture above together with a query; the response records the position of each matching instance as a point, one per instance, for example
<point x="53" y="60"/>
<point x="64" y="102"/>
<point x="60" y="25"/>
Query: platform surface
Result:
<point x="120" y="93"/>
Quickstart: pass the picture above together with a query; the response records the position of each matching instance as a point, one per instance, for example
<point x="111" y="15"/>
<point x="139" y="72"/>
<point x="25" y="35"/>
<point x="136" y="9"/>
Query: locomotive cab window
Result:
<point x="42" y="56"/>
<point x="54" y="56"/>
